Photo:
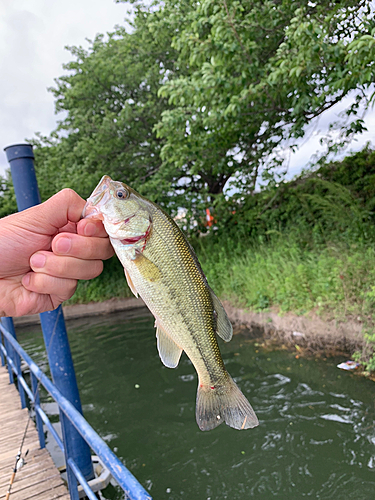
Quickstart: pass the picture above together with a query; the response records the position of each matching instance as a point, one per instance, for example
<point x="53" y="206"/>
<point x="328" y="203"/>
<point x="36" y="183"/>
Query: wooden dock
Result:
<point x="39" y="478"/>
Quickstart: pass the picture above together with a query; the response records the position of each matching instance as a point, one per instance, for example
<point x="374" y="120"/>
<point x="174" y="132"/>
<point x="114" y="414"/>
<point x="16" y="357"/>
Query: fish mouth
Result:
<point x="100" y="196"/>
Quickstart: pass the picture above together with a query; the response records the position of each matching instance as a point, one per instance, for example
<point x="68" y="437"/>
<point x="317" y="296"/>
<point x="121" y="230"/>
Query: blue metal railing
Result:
<point x="10" y="349"/>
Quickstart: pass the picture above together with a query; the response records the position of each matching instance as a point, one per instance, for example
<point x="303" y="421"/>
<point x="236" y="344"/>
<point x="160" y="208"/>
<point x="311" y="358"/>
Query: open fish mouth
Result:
<point x="100" y="196"/>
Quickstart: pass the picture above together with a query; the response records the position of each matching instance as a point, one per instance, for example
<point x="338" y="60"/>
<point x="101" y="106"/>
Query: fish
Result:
<point x="162" y="268"/>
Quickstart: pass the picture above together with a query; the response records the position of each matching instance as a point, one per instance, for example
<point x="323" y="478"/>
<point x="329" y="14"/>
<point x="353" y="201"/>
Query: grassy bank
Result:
<point x="337" y="280"/>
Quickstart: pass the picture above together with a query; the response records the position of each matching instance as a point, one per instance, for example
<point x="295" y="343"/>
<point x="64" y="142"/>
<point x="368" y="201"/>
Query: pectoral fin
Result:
<point x="148" y="269"/>
<point x="169" y="351"/>
<point x="223" y="326"/>
<point x="130" y="283"/>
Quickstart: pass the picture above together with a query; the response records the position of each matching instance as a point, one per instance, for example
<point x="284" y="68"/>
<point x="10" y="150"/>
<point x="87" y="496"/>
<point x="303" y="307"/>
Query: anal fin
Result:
<point x="169" y="351"/>
<point x="224" y="327"/>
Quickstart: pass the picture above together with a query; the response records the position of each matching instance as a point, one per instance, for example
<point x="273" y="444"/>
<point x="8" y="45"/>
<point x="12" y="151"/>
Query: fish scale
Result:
<point x="161" y="267"/>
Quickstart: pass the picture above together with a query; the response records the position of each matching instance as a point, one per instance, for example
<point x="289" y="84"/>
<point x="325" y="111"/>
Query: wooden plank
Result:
<point x="29" y="476"/>
<point x="43" y="462"/>
<point x="50" y="486"/>
<point x="39" y="479"/>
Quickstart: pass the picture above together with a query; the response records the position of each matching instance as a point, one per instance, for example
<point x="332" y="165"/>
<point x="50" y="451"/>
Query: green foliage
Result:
<point x="8" y="204"/>
<point x="335" y="202"/>
<point x="367" y="355"/>
<point x="259" y="71"/>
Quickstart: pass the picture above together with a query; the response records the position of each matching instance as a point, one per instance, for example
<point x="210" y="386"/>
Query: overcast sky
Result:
<point x="33" y="34"/>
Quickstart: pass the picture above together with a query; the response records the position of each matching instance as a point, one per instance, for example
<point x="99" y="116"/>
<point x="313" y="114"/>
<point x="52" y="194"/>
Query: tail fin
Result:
<point x="224" y="404"/>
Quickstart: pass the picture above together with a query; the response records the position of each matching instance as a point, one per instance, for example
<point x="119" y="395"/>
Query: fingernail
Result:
<point x="90" y="229"/>
<point x="38" y="260"/>
<point x="63" y="245"/>
<point x="26" y="280"/>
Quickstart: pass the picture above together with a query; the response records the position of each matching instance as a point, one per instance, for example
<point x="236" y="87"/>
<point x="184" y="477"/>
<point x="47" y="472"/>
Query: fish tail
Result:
<point x="224" y="404"/>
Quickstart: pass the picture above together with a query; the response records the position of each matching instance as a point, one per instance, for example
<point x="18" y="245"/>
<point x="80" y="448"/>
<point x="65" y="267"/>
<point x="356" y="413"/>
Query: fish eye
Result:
<point x="121" y="194"/>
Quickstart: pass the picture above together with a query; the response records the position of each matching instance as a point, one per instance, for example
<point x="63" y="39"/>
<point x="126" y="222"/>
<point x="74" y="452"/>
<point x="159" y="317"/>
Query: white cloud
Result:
<point x="33" y="34"/>
<point x="310" y="144"/>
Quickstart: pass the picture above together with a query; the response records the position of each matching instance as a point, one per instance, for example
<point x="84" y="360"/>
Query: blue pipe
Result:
<point x="86" y="487"/>
<point x="49" y="426"/>
<point x="63" y="376"/>
<point x="21" y="160"/>
<point x="9" y="353"/>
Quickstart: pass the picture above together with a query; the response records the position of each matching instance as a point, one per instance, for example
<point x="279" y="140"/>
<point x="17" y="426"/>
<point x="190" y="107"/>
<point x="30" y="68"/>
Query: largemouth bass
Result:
<point x="161" y="266"/>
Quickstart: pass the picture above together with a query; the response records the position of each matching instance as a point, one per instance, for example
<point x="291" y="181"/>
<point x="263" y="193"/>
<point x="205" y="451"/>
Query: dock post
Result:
<point x="21" y="160"/>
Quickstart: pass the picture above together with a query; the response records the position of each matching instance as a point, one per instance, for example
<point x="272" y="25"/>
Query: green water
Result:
<point x="316" y="436"/>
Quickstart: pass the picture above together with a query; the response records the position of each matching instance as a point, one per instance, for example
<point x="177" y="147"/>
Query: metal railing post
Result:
<point x="9" y="351"/>
<point x="39" y="422"/>
<point x="21" y="160"/>
<point x="8" y="324"/>
<point x="2" y="357"/>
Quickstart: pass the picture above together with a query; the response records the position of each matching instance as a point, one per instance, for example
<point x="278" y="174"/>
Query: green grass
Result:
<point x="337" y="279"/>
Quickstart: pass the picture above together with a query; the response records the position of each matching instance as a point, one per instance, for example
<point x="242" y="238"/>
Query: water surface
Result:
<point x="316" y="436"/>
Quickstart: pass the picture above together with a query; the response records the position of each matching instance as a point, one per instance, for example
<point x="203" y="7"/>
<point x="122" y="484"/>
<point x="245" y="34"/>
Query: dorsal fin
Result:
<point x="169" y="351"/>
<point x="223" y="326"/>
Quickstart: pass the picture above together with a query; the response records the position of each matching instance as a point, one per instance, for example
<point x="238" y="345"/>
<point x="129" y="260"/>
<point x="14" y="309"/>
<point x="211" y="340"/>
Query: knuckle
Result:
<point x="68" y="192"/>
<point x="68" y="196"/>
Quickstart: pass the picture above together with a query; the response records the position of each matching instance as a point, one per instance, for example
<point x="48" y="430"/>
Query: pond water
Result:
<point x="316" y="436"/>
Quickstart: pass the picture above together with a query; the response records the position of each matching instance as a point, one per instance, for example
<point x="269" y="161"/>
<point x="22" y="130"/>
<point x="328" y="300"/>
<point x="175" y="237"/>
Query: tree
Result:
<point x="201" y="93"/>
<point x="110" y="104"/>
<point x="260" y="71"/>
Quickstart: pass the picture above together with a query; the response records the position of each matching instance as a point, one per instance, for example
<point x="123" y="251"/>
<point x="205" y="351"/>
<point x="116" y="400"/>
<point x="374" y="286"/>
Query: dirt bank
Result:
<point x="308" y="331"/>
<point x="91" y="309"/>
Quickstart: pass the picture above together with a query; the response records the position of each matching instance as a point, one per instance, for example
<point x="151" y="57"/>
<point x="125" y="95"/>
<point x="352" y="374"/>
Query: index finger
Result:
<point x="91" y="227"/>
<point x="82" y="247"/>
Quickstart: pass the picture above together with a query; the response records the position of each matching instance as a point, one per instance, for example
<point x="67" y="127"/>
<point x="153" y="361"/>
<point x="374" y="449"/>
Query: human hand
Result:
<point x="45" y="250"/>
